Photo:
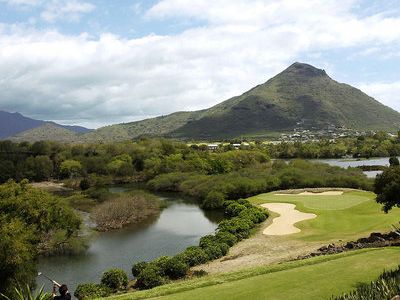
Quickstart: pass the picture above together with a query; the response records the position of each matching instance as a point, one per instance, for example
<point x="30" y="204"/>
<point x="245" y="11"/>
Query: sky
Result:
<point x="95" y="63"/>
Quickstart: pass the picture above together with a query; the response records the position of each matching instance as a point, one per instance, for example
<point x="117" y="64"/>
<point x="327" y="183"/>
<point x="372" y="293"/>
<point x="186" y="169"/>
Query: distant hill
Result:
<point x="14" y="123"/>
<point x="301" y="95"/>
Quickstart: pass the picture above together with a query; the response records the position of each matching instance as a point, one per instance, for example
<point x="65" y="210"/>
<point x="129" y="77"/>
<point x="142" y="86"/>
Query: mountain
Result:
<point x="48" y="131"/>
<point x="301" y="95"/>
<point x="14" y="123"/>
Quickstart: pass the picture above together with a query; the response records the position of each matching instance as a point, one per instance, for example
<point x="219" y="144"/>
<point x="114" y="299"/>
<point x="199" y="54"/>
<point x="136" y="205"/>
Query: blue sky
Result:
<point x="95" y="63"/>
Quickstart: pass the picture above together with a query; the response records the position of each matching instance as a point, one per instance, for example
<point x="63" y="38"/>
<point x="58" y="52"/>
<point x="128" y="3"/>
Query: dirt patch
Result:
<point x="288" y="216"/>
<point x="50" y="186"/>
<point x="260" y="249"/>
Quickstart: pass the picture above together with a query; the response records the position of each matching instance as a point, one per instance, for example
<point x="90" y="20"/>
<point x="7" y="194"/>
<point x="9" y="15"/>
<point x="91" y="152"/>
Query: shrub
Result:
<point x="237" y="226"/>
<point x="194" y="256"/>
<point x="213" y="200"/>
<point x="150" y="277"/>
<point x="244" y="202"/>
<point x="207" y="240"/>
<point x="91" y="291"/>
<point x="234" y="209"/>
<point x="213" y="251"/>
<point x="161" y="263"/>
<point x="137" y="268"/>
<point x="254" y="214"/>
<point x="226" y="237"/>
<point x="115" y="279"/>
<point x="176" y="268"/>
<point x="84" y="184"/>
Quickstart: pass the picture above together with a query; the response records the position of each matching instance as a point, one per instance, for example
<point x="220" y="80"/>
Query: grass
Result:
<point x="344" y="217"/>
<point x="340" y="217"/>
<point x="315" y="278"/>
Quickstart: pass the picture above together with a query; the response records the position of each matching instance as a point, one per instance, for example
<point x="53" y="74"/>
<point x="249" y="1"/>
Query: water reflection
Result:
<point x="181" y="224"/>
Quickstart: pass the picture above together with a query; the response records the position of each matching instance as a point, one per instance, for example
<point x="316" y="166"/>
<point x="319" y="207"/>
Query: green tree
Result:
<point x="387" y="188"/>
<point x="70" y="168"/>
<point x="17" y="255"/>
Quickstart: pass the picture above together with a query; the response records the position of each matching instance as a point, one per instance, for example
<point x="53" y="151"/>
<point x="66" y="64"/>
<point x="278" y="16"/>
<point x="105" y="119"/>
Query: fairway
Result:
<point x="317" y="278"/>
<point x="352" y="215"/>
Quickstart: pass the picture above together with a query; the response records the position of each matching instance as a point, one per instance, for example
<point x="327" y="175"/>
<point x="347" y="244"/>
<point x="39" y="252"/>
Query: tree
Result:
<point x="70" y="168"/>
<point x="387" y="188"/>
<point x="38" y="168"/>
<point x="394" y="161"/>
<point x="17" y="255"/>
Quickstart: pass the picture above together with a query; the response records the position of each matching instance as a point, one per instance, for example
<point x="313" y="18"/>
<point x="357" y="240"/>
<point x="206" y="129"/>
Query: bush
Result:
<point x="150" y="277"/>
<point x="207" y="240"/>
<point x="234" y="209"/>
<point x="137" y="268"/>
<point x="254" y="214"/>
<point x="161" y="263"/>
<point x="237" y="226"/>
<point x="194" y="256"/>
<point x="84" y="184"/>
<point x="213" y="251"/>
<point x="213" y="200"/>
<point x="176" y="268"/>
<point x="91" y="291"/>
<point x="115" y="279"/>
<point x="227" y="238"/>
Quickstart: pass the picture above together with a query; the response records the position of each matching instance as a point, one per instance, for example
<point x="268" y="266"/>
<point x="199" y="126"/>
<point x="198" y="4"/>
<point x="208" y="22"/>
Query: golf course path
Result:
<point x="288" y="216"/>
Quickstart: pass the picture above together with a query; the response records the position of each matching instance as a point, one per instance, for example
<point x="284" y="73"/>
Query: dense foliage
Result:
<point x="98" y="164"/>
<point x="32" y="222"/>
<point x="115" y="279"/>
<point x="26" y="293"/>
<point x="386" y="286"/>
<point x="213" y="189"/>
<point x="88" y="291"/>
<point x="387" y="188"/>
<point x="373" y="145"/>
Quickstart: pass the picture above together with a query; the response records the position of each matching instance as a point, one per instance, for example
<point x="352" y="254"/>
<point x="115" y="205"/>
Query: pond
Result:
<point x="180" y="224"/>
<point x="345" y="163"/>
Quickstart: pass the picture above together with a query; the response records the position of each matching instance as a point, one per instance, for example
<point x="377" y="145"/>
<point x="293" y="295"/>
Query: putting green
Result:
<point x="343" y="217"/>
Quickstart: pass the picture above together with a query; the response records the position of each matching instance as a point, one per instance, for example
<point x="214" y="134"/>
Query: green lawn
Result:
<point x="315" y="278"/>
<point x="344" y="217"/>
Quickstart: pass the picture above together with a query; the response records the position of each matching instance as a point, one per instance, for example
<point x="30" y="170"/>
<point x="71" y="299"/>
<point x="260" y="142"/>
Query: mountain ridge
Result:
<point x="13" y="123"/>
<point x="300" y="94"/>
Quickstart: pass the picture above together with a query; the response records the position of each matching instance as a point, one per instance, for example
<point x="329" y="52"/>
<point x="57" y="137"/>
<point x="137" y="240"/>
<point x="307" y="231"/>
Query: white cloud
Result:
<point x="23" y="3"/>
<point x="70" y="10"/>
<point x="386" y="92"/>
<point x="111" y="79"/>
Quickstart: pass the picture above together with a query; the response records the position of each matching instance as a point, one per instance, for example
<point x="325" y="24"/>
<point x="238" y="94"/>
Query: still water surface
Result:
<point x="345" y="163"/>
<point x="180" y="224"/>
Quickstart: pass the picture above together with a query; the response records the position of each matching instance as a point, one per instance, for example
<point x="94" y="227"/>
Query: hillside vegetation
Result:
<point x="300" y="95"/>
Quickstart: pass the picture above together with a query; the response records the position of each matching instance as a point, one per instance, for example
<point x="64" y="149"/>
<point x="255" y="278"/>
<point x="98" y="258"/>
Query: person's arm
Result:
<point x="54" y="290"/>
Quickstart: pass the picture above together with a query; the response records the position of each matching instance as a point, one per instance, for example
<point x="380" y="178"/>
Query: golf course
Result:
<point x="262" y="267"/>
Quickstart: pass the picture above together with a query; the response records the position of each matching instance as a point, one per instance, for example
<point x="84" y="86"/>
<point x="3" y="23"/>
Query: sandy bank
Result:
<point x="288" y="216"/>
<point x="306" y="193"/>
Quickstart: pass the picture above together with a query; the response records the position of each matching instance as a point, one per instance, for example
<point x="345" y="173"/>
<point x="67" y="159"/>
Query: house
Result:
<point x="212" y="147"/>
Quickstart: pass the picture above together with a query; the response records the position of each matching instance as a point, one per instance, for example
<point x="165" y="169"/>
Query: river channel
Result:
<point x="180" y="224"/>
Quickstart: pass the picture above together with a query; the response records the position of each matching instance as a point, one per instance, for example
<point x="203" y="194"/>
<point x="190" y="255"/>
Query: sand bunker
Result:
<point x="288" y="216"/>
<point x="327" y="193"/>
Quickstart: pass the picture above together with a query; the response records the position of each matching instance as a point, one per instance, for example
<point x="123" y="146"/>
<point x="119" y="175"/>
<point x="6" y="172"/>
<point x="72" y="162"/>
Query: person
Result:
<point x="63" y="290"/>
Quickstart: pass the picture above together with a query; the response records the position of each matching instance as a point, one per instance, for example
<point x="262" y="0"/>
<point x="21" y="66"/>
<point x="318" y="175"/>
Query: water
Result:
<point x="345" y="163"/>
<point x="180" y="224"/>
